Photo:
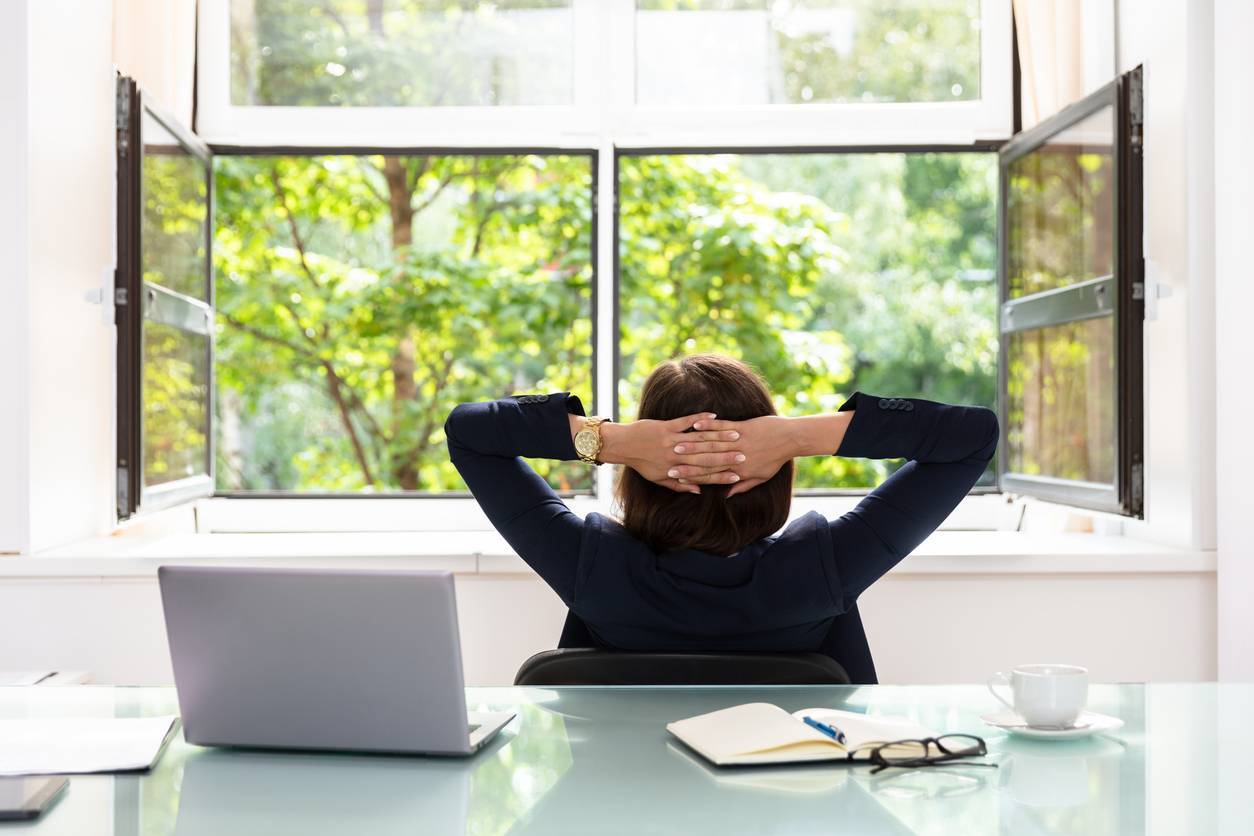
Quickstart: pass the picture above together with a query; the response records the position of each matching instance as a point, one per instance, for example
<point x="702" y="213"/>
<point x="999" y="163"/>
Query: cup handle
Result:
<point x="1000" y="678"/>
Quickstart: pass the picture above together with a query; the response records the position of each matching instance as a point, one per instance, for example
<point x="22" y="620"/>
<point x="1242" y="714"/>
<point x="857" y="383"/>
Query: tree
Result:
<point x="749" y="255"/>
<point x="397" y="287"/>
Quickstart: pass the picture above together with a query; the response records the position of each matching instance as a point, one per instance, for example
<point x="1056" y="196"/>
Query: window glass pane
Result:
<point x="1061" y="209"/>
<point x="176" y="210"/>
<point x="401" y="52"/>
<point x="1061" y="401"/>
<point x="176" y="393"/>
<point x="759" y="52"/>
<point x="360" y="298"/>
<point x="826" y="272"/>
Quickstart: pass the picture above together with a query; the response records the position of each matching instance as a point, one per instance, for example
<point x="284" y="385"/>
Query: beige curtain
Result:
<point x="154" y="42"/>
<point x="1066" y="50"/>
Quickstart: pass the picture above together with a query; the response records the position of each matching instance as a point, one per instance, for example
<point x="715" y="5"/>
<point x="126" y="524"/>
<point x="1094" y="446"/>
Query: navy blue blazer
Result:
<point x="796" y="591"/>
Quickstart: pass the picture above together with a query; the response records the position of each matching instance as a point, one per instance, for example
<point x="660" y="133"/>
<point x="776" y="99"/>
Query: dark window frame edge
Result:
<point x="1127" y="494"/>
<point x="132" y="495"/>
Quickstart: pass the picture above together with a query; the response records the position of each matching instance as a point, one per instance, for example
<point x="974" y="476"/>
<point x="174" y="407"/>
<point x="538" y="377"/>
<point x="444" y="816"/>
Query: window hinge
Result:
<point x="1138" y="485"/>
<point x="124" y="492"/>
<point x="1136" y="108"/>
<point x="124" y="117"/>
<point x="119" y="296"/>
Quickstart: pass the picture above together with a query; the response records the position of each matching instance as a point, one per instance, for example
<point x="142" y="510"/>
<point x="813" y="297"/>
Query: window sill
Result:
<point x="486" y="553"/>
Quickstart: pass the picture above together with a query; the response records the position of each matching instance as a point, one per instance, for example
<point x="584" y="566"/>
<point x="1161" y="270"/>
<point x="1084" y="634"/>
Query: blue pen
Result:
<point x="831" y="731"/>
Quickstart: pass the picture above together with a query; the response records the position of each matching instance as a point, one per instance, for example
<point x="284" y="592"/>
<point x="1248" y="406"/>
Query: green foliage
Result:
<point x="377" y="323"/>
<point x="173" y="221"/>
<point x="875" y="273"/>
<point x="176" y="387"/>
<point x="175" y="380"/>
<point x="1061" y="379"/>
<point x="862" y="50"/>
<point x="393" y="53"/>
<point x="750" y="256"/>
<point x="361" y="297"/>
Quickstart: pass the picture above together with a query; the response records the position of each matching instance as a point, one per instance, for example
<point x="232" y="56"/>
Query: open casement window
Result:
<point x="164" y="308"/>
<point x="1072" y="291"/>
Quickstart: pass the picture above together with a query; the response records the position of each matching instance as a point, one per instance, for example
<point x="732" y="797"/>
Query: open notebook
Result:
<point x="761" y="733"/>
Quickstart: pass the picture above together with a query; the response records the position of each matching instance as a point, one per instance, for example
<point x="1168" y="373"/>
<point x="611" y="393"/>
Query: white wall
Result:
<point x="922" y="628"/>
<point x="1179" y="352"/>
<point x="71" y="176"/>
<point x="14" y="334"/>
<point x="1234" y="225"/>
<point x="56" y="149"/>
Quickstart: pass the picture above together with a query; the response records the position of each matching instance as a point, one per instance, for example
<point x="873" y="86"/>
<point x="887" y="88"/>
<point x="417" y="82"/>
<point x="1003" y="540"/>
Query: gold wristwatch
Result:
<point x="588" y="441"/>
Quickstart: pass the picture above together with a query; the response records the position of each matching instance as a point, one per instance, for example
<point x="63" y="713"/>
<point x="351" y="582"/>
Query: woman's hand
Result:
<point x="767" y="443"/>
<point x="649" y="448"/>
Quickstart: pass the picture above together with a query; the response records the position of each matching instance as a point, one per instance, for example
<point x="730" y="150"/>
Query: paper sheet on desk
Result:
<point x="67" y="745"/>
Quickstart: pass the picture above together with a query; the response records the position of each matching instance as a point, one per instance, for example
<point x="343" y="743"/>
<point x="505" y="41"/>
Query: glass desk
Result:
<point x="599" y="760"/>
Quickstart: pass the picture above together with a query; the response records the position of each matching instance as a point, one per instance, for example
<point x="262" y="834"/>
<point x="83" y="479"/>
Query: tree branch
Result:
<point x="281" y="195"/>
<point x="417" y="173"/>
<point x="431" y="198"/>
<point x="378" y="195"/>
<point x="367" y="414"/>
<point x="424" y="437"/>
<point x="270" y="338"/>
<point x="334" y="384"/>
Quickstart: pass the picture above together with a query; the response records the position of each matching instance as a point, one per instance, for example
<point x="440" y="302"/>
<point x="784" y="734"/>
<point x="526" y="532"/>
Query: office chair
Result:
<point x="844" y="650"/>
<point x="593" y="666"/>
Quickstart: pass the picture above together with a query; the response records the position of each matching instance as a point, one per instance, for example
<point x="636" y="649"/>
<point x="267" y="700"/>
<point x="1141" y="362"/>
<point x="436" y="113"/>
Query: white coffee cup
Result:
<point x="1044" y="695"/>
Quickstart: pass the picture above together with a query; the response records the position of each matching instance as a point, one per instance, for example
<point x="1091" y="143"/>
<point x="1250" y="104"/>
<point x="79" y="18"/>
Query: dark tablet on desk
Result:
<point x="27" y="796"/>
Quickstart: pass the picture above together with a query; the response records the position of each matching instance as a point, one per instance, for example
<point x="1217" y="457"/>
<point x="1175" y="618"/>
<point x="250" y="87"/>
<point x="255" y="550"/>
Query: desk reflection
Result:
<point x="243" y="793"/>
<point x="579" y="761"/>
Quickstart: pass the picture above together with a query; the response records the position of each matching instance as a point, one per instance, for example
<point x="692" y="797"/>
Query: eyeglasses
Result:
<point x="931" y="751"/>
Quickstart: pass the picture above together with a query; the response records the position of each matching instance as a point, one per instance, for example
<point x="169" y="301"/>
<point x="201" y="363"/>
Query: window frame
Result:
<point x="136" y="302"/>
<point x="603" y="106"/>
<point x="603" y="121"/>
<point x="1087" y="300"/>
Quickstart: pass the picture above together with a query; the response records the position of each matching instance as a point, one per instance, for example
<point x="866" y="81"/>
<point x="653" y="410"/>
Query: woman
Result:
<point x="694" y="563"/>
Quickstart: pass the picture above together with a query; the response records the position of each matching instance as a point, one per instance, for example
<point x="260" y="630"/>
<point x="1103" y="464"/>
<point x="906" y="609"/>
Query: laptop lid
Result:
<point x="355" y="660"/>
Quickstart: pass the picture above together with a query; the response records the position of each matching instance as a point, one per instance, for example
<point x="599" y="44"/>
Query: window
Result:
<point x="422" y="202"/>
<point x="393" y="54"/>
<point x="362" y="297"/>
<point x="824" y="271"/>
<point x="568" y="73"/>
<point x="1073" y="304"/>
<point x="164" y="308"/>
<point x="761" y="52"/>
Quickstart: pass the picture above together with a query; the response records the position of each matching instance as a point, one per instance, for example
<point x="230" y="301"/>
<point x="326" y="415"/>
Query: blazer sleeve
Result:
<point x="947" y="448"/>
<point x="485" y="441"/>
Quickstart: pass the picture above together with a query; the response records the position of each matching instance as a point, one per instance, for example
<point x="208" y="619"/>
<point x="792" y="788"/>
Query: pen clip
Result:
<point x="831" y="731"/>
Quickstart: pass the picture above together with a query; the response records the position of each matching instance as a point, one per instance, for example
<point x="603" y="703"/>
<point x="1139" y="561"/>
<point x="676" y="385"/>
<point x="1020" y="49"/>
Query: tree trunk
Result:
<point x="374" y="14"/>
<point x="404" y="389"/>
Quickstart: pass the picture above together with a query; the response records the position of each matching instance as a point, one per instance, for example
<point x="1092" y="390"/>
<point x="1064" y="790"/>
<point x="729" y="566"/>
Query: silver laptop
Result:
<point x="366" y="661"/>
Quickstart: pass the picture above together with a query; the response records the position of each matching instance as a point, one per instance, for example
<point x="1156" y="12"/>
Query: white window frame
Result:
<point x="602" y="119"/>
<point x="603" y="107"/>
<point x="236" y="515"/>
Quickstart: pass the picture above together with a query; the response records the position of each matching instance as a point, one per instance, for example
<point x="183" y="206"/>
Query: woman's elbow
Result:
<point x="454" y="425"/>
<point x="990" y="431"/>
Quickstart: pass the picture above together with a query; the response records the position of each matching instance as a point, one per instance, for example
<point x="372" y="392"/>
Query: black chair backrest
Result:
<point x="588" y="666"/>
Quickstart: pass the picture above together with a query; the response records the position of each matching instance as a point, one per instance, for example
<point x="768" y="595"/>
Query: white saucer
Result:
<point x="1088" y="723"/>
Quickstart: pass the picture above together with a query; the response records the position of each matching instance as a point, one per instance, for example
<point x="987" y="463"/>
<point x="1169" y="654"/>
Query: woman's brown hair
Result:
<point x="711" y="521"/>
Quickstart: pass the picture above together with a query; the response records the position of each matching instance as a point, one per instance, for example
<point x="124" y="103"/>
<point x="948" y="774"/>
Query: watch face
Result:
<point x="586" y="442"/>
